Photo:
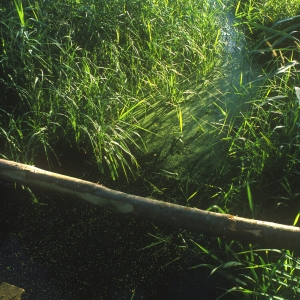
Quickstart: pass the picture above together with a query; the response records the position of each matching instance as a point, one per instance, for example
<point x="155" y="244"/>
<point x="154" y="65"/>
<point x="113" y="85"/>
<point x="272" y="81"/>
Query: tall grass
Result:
<point x="274" y="23"/>
<point x="265" y="12"/>
<point x="263" y="152"/>
<point x="255" y="273"/>
<point x="264" y="140"/>
<point x="86" y="73"/>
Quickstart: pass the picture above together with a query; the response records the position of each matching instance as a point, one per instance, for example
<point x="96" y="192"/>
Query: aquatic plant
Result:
<point x="263" y="152"/>
<point x="87" y="73"/>
<point x="254" y="273"/>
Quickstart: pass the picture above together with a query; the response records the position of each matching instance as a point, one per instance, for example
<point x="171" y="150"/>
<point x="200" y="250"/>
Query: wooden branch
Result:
<point x="268" y="234"/>
<point x="10" y="292"/>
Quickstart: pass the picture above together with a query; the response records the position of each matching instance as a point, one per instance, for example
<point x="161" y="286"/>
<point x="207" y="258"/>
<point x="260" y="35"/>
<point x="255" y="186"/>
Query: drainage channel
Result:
<point x="205" y="107"/>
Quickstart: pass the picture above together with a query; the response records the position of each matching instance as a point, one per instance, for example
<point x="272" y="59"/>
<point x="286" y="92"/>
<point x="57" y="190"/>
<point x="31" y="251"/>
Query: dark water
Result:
<point x="65" y="249"/>
<point x="20" y="270"/>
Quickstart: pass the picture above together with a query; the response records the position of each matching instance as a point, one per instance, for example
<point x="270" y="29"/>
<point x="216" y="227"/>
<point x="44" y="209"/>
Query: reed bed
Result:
<point x="86" y="73"/>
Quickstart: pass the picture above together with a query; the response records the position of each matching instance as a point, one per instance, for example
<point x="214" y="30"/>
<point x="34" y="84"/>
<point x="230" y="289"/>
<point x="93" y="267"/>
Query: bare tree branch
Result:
<point x="268" y="234"/>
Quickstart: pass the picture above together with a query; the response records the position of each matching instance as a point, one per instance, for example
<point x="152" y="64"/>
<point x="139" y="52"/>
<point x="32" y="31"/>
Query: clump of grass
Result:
<point x="275" y="24"/>
<point x="266" y="12"/>
<point x="263" y="157"/>
<point x="255" y="273"/>
<point x="86" y="73"/>
<point x="264" y="139"/>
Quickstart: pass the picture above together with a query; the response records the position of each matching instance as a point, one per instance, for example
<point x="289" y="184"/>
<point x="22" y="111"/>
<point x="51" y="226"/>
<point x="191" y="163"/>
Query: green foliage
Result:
<point x="271" y="27"/>
<point x="263" y="152"/>
<point x="263" y="139"/>
<point x="266" y="12"/>
<point x="255" y="273"/>
<point x="87" y="72"/>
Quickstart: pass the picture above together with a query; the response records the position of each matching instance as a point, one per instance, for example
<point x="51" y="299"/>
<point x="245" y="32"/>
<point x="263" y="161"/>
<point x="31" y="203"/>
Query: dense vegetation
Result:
<point x="86" y="82"/>
<point x="263" y="144"/>
<point x="86" y="74"/>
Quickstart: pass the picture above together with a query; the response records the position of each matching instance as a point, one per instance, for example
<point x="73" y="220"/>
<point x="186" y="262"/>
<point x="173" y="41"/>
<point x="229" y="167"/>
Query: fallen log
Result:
<point x="267" y="234"/>
<point x="10" y="292"/>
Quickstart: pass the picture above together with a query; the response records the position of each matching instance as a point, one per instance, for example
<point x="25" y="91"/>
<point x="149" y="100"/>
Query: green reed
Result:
<point x="254" y="273"/>
<point x="263" y="151"/>
<point x="87" y="73"/>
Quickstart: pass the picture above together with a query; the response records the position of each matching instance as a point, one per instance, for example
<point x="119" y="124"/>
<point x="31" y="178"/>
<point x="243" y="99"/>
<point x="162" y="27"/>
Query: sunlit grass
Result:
<point x="266" y="12"/>
<point x="87" y="73"/>
<point x="263" y="138"/>
<point x="263" y="152"/>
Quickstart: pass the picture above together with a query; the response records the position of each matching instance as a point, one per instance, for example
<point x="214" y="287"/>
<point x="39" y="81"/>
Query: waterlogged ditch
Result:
<point x="64" y="249"/>
<point x="86" y="253"/>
